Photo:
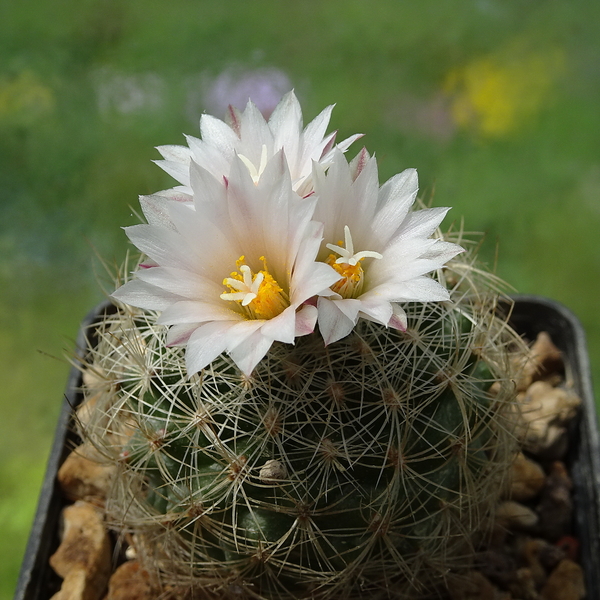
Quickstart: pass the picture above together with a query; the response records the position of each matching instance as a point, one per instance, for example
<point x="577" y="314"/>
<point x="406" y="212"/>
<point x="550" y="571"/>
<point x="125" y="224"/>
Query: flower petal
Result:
<point x="205" y="344"/>
<point x="140" y="294"/>
<point x="398" y="319"/>
<point x="182" y="283"/>
<point x="334" y="320"/>
<point x="155" y="209"/>
<point x="286" y="124"/>
<point x="281" y="328"/>
<point x="395" y="198"/>
<point x="379" y="310"/>
<point x="250" y="352"/>
<point x="419" y="289"/>
<point x="187" y="311"/>
<point x="217" y="133"/>
<point x="306" y="319"/>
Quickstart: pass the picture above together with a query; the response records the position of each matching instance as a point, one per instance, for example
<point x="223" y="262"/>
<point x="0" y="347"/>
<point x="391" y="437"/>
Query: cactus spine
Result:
<point x="360" y="469"/>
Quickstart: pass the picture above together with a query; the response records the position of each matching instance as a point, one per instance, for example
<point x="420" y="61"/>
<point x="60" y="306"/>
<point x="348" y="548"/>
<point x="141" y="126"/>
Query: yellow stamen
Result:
<point x="351" y="284"/>
<point x="348" y="266"/>
<point x="259" y="295"/>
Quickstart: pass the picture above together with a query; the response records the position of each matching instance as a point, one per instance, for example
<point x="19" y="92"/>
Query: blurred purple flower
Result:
<point x="236" y="85"/>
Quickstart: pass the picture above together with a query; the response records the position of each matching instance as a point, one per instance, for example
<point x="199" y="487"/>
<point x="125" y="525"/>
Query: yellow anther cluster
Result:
<point x="350" y="285"/>
<point x="271" y="300"/>
<point x="260" y="295"/>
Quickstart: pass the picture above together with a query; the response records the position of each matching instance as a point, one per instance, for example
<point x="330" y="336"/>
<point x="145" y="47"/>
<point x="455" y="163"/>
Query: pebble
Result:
<point x="555" y="508"/>
<point x="83" y="477"/>
<point x="545" y="361"/>
<point x="545" y="412"/>
<point x="83" y="558"/>
<point x="514" y="515"/>
<point x="527" y="478"/>
<point x="524" y="585"/>
<point x="473" y="586"/>
<point x="530" y="554"/>
<point x="564" y="583"/>
<point x="499" y="567"/>
<point x="130" y="582"/>
<point x="272" y="472"/>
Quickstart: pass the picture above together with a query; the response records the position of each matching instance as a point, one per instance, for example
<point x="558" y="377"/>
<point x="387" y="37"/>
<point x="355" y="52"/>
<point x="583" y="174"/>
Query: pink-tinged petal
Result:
<point x="406" y="270"/>
<point x="333" y="319"/>
<point x="379" y="310"/>
<point x="214" y="259"/>
<point x="179" y="193"/>
<point x="233" y="118"/>
<point x="179" y="335"/>
<point x="217" y="133"/>
<point x="345" y="144"/>
<point x="205" y="344"/>
<point x="306" y="320"/>
<point x="422" y="223"/>
<point x="286" y="124"/>
<point x="301" y="228"/>
<point x="313" y="136"/>
<point x="401" y="251"/>
<point x="442" y="252"/>
<point x="349" y="306"/>
<point x="327" y="145"/>
<point x="140" y="294"/>
<point x="211" y="158"/>
<point x="254" y="133"/>
<point x="187" y="311"/>
<point x="318" y="283"/>
<point x="155" y="209"/>
<point x="358" y="163"/>
<point x="281" y="328"/>
<point x="174" y="153"/>
<point x="242" y="331"/>
<point x="420" y="289"/>
<point x="310" y="278"/>
<point x="395" y="198"/>
<point x="162" y="245"/>
<point x="183" y="283"/>
<point x="178" y="170"/>
<point x="147" y="264"/>
<point x="333" y="191"/>
<point x="251" y="351"/>
<point x="210" y="196"/>
<point x="365" y="188"/>
<point x="398" y="319"/>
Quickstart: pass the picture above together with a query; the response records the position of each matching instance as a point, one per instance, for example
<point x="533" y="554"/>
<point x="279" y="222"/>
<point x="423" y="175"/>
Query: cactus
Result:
<point x="340" y="421"/>
<point x="364" y="468"/>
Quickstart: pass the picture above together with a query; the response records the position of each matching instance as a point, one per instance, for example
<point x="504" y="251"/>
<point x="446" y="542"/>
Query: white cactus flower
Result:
<point x="232" y="275"/>
<point x="256" y="141"/>
<point x="381" y="248"/>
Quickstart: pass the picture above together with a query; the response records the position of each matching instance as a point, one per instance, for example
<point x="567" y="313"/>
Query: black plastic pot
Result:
<point x="531" y="314"/>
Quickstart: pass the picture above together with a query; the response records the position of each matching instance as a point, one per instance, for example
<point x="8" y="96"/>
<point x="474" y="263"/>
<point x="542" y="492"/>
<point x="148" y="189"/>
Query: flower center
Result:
<point x="259" y="295"/>
<point x="348" y="266"/>
<point x="254" y="172"/>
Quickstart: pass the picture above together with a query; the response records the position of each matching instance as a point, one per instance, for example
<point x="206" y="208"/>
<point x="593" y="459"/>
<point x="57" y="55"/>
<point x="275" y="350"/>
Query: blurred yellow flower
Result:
<point x="493" y="95"/>
<point x="24" y="98"/>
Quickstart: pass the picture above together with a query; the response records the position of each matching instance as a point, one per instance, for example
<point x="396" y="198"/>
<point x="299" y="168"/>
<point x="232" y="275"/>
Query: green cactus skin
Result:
<point x="356" y="470"/>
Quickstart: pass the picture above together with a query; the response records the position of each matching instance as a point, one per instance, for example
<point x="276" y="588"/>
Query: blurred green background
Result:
<point x="495" y="102"/>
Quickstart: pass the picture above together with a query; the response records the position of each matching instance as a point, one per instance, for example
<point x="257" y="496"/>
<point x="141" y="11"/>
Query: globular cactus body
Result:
<point x="358" y="469"/>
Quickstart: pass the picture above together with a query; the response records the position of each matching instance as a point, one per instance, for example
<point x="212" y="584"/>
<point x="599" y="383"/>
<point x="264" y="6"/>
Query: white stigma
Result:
<point x="254" y="173"/>
<point x="247" y="289"/>
<point x="347" y="255"/>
